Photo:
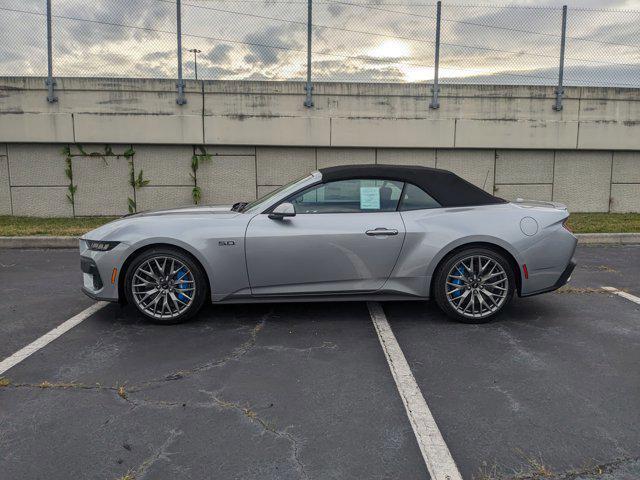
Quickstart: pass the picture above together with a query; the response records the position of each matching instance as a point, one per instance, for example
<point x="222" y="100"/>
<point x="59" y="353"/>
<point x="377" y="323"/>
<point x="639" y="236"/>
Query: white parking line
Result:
<point x="49" y="337"/>
<point x="622" y="294"/>
<point x="434" y="450"/>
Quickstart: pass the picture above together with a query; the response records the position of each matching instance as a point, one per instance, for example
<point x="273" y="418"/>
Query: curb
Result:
<point x="608" y="238"/>
<point x="72" y="242"/>
<point x="39" y="242"/>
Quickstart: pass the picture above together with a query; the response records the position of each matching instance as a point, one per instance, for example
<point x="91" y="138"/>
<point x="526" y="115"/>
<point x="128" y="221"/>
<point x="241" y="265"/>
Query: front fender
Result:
<point x="166" y="241"/>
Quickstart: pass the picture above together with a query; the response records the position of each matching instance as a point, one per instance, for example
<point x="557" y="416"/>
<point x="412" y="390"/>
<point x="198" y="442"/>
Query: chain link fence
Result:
<point x="377" y="41"/>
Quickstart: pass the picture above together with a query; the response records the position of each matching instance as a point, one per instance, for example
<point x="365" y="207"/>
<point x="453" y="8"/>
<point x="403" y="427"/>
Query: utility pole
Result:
<point x="195" y="52"/>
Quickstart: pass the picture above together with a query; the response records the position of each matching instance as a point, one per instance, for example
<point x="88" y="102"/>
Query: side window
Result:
<point x="350" y="196"/>
<point x="414" y="198"/>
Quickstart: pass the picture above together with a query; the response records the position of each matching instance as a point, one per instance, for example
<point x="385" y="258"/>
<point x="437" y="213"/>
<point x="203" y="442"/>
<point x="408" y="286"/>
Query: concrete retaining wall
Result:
<point x="33" y="180"/>
<point x="506" y="139"/>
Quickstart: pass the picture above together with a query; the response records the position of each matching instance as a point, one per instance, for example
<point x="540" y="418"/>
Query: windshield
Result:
<point x="255" y="203"/>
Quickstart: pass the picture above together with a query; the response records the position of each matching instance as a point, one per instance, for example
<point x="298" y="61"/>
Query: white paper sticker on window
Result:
<point x="369" y="198"/>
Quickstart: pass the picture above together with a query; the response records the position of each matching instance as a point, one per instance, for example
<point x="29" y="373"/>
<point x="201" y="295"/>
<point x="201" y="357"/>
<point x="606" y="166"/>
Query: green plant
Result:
<point x="136" y="182"/>
<point x="71" y="196"/>
<point x="196" y="193"/>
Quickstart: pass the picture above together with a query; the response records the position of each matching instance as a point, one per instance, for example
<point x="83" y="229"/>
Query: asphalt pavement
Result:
<point x="288" y="391"/>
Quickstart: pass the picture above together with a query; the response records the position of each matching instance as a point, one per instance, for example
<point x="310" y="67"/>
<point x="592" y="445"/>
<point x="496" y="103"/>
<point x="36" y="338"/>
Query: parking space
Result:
<point x="40" y="292"/>
<point x="305" y="391"/>
<point x="617" y="266"/>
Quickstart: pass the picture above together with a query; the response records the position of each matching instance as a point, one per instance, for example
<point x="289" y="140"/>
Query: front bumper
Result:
<point x="99" y="280"/>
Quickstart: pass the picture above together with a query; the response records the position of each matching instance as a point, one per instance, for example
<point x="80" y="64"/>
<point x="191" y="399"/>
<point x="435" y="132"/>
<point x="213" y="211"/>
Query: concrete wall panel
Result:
<point x="33" y="164"/>
<point x="609" y="135"/>
<point x="41" y="202"/>
<point x="277" y="166"/>
<point x="168" y="165"/>
<point x="582" y="179"/>
<point x="475" y="166"/>
<point x="387" y="132"/>
<point x="528" y="192"/>
<point x="36" y="127"/>
<point x="626" y="167"/>
<point x="149" y="197"/>
<point x="290" y="131"/>
<point x="625" y="197"/>
<point x="227" y="180"/>
<point x="331" y="157"/>
<point x="424" y="157"/>
<point x="515" y="134"/>
<point x="264" y="189"/>
<point x="160" y="129"/>
<point x="103" y="185"/>
<point x="226" y="150"/>
<point x="524" y="166"/>
<point x="5" y="188"/>
<point x="609" y="109"/>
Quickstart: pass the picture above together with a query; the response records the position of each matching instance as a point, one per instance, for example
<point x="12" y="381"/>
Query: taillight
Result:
<point x="567" y="227"/>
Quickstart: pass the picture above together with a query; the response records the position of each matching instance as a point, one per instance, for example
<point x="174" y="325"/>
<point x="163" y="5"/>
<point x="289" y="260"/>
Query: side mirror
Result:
<point x="283" y="210"/>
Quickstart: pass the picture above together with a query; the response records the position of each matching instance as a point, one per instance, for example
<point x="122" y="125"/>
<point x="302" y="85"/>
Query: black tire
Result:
<point x="447" y="266"/>
<point x="200" y="292"/>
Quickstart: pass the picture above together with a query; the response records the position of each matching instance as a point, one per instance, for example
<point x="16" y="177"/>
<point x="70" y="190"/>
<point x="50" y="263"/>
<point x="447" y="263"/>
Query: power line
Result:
<point x="398" y="37"/>
<point x="355" y="57"/>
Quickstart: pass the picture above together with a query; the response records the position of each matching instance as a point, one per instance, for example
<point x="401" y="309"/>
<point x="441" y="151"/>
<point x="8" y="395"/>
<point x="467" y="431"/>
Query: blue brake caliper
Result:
<point x="457" y="281"/>
<point x="182" y="273"/>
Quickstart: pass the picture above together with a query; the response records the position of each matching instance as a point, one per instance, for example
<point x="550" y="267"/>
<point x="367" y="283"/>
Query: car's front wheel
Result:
<point x="166" y="285"/>
<point x="474" y="285"/>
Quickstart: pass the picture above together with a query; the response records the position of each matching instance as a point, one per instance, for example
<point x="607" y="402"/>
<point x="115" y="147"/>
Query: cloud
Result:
<point x="218" y="54"/>
<point x="486" y="43"/>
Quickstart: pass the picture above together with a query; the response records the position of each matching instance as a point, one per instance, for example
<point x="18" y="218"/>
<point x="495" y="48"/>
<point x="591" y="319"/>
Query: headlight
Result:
<point x="100" y="246"/>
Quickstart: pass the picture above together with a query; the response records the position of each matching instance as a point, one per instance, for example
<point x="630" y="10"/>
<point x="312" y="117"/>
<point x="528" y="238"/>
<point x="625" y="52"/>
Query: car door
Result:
<point x="345" y="237"/>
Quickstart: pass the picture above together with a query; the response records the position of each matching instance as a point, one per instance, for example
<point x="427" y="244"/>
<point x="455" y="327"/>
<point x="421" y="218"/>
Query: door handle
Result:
<point x="382" y="232"/>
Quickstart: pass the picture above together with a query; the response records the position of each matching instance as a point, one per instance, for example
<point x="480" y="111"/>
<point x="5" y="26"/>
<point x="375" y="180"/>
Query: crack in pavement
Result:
<point x="161" y="453"/>
<point x="595" y="471"/>
<point x="236" y="354"/>
<point x="267" y="426"/>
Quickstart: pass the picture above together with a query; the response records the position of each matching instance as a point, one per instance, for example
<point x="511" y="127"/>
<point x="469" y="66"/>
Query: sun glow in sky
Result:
<point x="390" y="49"/>
<point x="492" y="41"/>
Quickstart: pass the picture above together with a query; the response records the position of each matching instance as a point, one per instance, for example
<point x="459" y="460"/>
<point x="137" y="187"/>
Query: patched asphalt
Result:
<point x="304" y="390"/>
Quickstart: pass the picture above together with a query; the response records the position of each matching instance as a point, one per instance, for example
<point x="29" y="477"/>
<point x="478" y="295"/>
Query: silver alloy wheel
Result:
<point x="477" y="286"/>
<point x="163" y="287"/>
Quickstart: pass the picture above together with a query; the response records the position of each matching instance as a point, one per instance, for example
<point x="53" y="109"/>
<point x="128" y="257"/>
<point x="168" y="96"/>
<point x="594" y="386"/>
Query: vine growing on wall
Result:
<point x="196" y="193"/>
<point x="68" y="170"/>
<point x="136" y="181"/>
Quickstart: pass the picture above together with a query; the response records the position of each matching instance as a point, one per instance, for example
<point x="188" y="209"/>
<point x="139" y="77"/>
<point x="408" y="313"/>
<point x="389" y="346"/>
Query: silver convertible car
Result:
<point x="359" y="232"/>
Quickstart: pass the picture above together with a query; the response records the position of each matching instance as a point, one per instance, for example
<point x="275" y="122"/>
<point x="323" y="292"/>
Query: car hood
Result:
<point x="223" y="209"/>
<point x="109" y="229"/>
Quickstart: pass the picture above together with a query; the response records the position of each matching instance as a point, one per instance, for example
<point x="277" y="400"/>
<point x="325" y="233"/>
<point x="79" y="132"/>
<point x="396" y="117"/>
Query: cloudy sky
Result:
<point x="353" y="40"/>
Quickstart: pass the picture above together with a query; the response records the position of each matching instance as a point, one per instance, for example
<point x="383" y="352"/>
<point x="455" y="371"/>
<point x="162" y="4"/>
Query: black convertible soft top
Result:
<point x="448" y="189"/>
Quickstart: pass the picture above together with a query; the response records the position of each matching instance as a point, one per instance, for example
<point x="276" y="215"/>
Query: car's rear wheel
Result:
<point x="166" y="285"/>
<point x="474" y="285"/>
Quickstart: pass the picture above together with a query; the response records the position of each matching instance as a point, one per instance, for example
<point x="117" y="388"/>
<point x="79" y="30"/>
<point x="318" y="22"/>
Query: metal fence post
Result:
<point x="180" y="100"/>
<point x="560" y="89"/>
<point x="308" y="87"/>
<point x="435" y="103"/>
<point x="49" y="82"/>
